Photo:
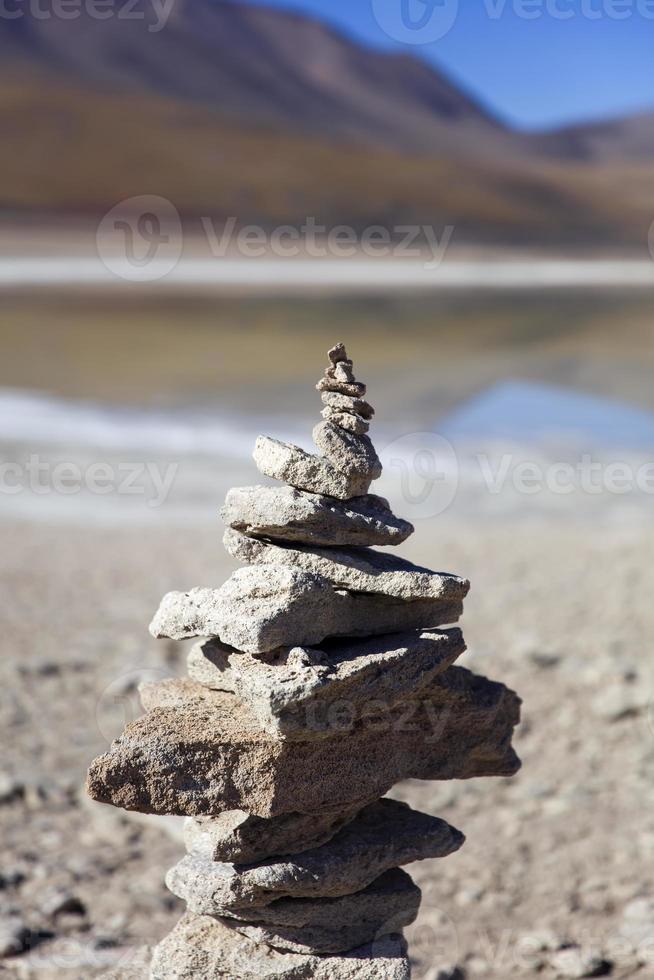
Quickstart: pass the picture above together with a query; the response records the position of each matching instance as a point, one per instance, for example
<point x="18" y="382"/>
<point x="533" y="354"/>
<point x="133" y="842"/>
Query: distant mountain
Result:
<point x="625" y="140"/>
<point x="237" y="108"/>
<point x="267" y="66"/>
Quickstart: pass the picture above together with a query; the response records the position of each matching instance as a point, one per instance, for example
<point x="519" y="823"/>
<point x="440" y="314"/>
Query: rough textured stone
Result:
<point x="284" y="461"/>
<point x="347" y="403"/>
<point x="239" y="837"/>
<point x="349" y="453"/>
<point x="334" y="925"/>
<point x="354" y="569"/>
<point x="264" y="607"/>
<point x="341" y="371"/>
<point x="337" y="353"/>
<point x="355" y="389"/>
<point x="204" y="948"/>
<point x="286" y="514"/>
<point x="208" y="664"/>
<point x="306" y="692"/>
<point x="383" y="836"/>
<point x="346" y="420"/>
<point x="207" y="753"/>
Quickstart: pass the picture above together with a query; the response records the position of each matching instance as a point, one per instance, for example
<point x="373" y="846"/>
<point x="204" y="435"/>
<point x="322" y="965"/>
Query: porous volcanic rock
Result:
<point x="207" y="752"/>
<point x="204" y="948"/>
<point x="305" y="693"/>
<point x="287" y="514"/>
<point x="291" y="464"/>
<point x="347" y="403"/>
<point x="354" y="569"/>
<point x="262" y="607"/>
<point x="349" y="453"/>
<point x="334" y="925"/>
<point x="241" y="838"/>
<point x="346" y="420"/>
<point x="384" y="835"/>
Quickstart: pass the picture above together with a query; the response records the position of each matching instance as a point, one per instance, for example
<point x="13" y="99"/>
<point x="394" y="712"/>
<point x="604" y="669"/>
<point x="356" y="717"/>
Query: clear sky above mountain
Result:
<point x="537" y="63"/>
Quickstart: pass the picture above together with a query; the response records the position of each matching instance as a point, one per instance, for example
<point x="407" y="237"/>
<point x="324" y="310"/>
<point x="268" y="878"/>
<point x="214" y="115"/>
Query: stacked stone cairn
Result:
<point x="324" y="675"/>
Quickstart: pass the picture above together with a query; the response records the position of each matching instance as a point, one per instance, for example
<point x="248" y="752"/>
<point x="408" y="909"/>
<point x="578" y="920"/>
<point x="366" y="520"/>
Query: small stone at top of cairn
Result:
<point x="294" y="857"/>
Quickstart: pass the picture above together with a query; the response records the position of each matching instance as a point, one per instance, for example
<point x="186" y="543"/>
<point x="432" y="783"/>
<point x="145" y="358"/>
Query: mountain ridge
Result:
<point x="275" y="115"/>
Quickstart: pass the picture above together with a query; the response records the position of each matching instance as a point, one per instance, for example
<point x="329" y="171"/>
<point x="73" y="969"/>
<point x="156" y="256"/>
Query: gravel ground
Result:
<point x="554" y="879"/>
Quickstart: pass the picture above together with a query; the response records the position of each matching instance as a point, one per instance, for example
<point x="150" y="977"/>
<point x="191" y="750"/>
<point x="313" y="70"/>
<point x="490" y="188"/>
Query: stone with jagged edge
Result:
<point x="347" y="403"/>
<point x="384" y="835"/>
<point x="346" y="420"/>
<point x="262" y="607"/>
<point x="458" y="727"/>
<point x="302" y="693"/>
<point x="242" y="838"/>
<point x="354" y="569"/>
<point x="349" y="453"/>
<point x="288" y="514"/>
<point x="333" y="925"/>
<point x="205" y="948"/>
<point x="315" y="474"/>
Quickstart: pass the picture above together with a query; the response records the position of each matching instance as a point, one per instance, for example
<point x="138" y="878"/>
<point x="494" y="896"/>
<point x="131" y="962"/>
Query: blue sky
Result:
<point x="537" y="63"/>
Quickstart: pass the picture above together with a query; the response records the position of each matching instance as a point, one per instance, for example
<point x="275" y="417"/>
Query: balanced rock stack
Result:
<point x="323" y="677"/>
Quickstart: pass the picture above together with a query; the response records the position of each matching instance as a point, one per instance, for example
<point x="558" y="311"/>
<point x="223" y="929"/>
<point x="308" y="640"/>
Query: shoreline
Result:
<point x="299" y="276"/>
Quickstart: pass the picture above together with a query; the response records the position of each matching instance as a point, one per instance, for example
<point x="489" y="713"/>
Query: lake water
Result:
<point x="120" y="407"/>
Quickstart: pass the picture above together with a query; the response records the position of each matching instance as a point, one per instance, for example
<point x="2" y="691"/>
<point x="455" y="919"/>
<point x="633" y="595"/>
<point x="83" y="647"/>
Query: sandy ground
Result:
<point x="557" y="857"/>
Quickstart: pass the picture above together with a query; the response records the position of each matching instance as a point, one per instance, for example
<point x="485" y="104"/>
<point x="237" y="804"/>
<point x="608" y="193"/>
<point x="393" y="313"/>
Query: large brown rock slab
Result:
<point x="242" y="838"/>
<point x="287" y="514"/>
<point x="291" y="464"/>
<point x="348" y="452"/>
<point x="203" y="752"/>
<point x="354" y="569"/>
<point x="384" y="835"/>
<point x="334" y="925"/>
<point x="204" y="948"/>
<point x="261" y="608"/>
<point x="304" y="692"/>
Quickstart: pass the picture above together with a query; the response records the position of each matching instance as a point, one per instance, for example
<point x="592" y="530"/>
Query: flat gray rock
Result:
<point x="346" y="420"/>
<point x="347" y="403"/>
<point x="349" y="453"/>
<point x="354" y="569"/>
<point x="203" y="752"/>
<point x="355" y="389"/>
<point x="204" y="948"/>
<point x="291" y="464"/>
<point x="287" y="514"/>
<point x="263" y="607"/>
<point x="385" y="835"/>
<point x="241" y="838"/>
<point x="303" y="693"/>
<point x="334" y="925"/>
